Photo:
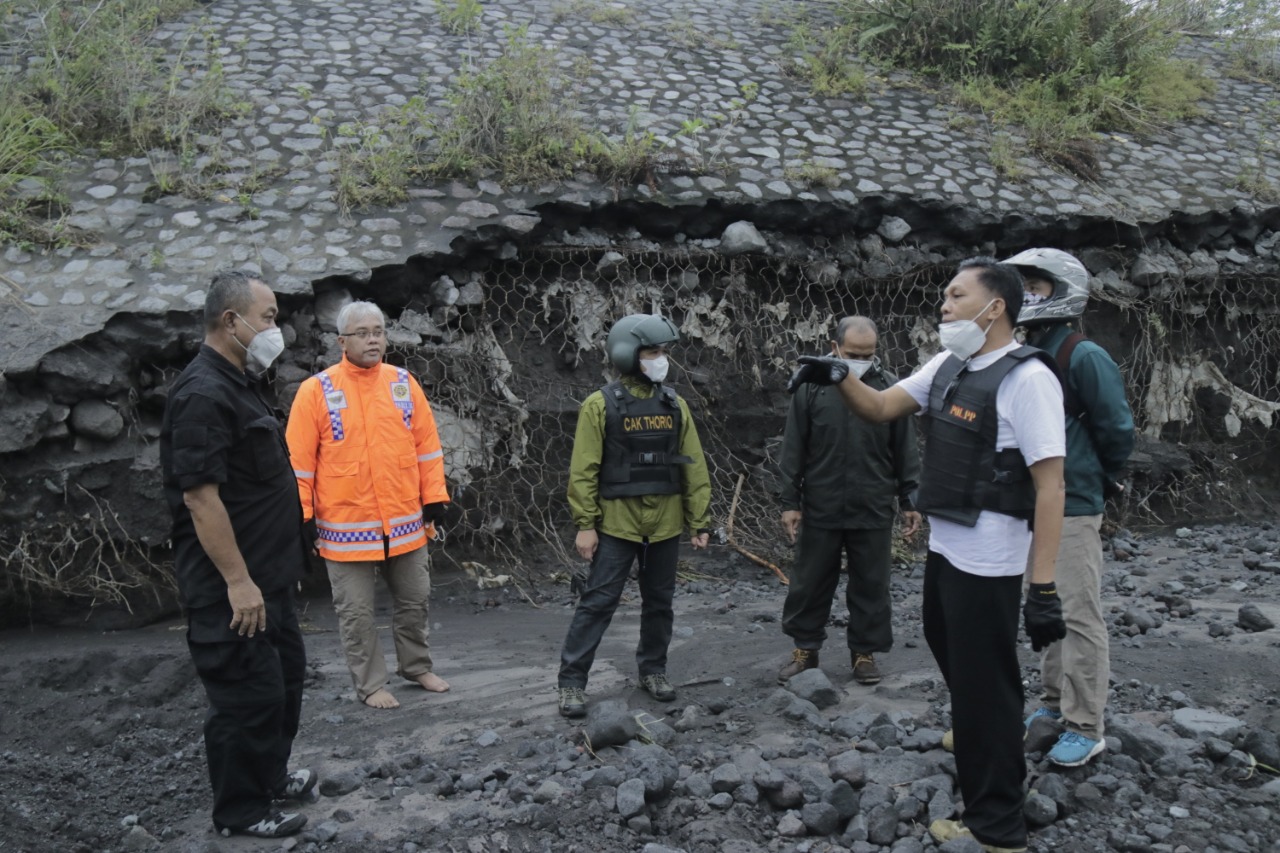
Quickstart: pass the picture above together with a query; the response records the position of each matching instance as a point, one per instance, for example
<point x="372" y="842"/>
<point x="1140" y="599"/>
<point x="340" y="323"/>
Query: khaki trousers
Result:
<point x="1077" y="670"/>
<point x="408" y="579"/>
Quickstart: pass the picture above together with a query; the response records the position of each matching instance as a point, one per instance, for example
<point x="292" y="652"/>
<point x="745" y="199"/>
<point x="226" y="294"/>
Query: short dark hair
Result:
<point x="230" y="290"/>
<point x="854" y="321"/>
<point x="1001" y="280"/>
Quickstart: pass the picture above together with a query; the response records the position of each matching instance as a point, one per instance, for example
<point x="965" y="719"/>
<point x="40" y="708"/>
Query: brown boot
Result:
<point x="801" y="659"/>
<point x="864" y="669"/>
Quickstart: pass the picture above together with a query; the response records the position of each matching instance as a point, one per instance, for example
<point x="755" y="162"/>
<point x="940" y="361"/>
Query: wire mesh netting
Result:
<point x="1199" y="363"/>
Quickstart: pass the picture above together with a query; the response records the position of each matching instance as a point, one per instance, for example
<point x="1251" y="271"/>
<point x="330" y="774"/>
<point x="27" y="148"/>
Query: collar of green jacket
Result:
<point x="638" y="386"/>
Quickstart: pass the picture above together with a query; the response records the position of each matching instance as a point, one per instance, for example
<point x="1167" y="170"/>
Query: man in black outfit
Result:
<point x="238" y="550"/>
<point x="842" y="479"/>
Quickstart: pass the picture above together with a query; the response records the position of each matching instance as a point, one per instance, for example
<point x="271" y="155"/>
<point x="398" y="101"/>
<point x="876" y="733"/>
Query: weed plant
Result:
<point x="1064" y="70"/>
<point x="460" y="17"/>
<point x="94" y="77"/>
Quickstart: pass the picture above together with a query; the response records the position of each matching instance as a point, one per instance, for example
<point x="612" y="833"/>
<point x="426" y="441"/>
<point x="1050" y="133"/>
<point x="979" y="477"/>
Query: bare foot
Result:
<point x="432" y="683"/>
<point x="382" y="700"/>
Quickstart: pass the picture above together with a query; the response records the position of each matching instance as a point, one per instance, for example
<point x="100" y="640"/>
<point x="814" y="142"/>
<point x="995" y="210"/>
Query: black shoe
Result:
<point x="276" y="825"/>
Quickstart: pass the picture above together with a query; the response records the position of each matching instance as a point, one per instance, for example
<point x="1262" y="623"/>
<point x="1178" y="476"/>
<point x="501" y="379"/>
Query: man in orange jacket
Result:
<point x="370" y="472"/>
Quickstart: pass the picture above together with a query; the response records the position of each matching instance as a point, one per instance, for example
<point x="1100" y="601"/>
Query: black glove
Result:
<point x="817" y="370"/>
<point x="434" y="513"/>
<point x="1111" y="488"/>
<point x="1042" y="616"/>
<point x="310" y="535"/>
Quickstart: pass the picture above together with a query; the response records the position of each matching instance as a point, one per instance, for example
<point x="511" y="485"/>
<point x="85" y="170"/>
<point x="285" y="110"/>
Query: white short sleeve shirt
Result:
<point x="1030" y="417"/>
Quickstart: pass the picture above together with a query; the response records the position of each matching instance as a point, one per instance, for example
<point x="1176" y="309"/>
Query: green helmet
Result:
<point x="635" y="332"/>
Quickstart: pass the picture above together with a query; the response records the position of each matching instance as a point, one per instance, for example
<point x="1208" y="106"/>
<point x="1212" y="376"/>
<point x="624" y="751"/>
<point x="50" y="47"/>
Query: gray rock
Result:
<point x="820" y="818"/>
<point x="740" y="238"/>
<point x="721" y="801"/>
<point x="326" y="831"/>
<point x="604" y="777"/>
<point x="1264" y="746"/>
<point x="842" y="796"/>
<point x="630" y="798"/>
<point x="813" y="686"/>
<point x="1039" y="809"/>
<point x="791" y="826"/>
<point x="1141" y="619"/>
<point x="697" y="785"/>
<point x="882" y="824"/>
<point x="1200" y="724"/>
<point x="787" y="796"/>
<point x="339" y="785"/>
<point x="654" y="766"/>
<point x="726" y="778"/>
<point x="893" y="229"/>
<point x="1042" y="734"/>
<point x="850" y="766"/>
<point x="689" y="720"/>
<point x="661" y="848"/>
<point x="550" y="791"/>
<point x="1251" y="618"/>
<point x="1141" y="740"/>
<point x="22" y="422"/>
<point x="138" y="838"/>
<point x="1151" y="269"/>
<point x="609" y="723"/>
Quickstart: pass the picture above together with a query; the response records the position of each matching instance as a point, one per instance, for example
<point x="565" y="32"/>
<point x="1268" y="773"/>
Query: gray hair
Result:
<point x="353" y="311"/>
<point x="230" y="290"/>
<point x="854" y="323"/>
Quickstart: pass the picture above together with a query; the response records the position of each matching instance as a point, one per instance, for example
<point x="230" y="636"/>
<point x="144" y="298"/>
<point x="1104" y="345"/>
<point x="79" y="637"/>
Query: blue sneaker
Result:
<point x="1073" y="750"/>
<point x="1043" y="712"/>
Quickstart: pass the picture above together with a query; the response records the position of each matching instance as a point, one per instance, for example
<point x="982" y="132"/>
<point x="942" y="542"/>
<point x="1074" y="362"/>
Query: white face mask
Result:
<point x="859" y="366"/>
<point x="962" y="338"/>
<point x="655" y="368"/>
<point x="265" y="347"/>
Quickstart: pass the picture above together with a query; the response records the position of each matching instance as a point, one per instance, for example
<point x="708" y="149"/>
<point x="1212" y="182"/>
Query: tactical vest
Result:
<point x="963" y="472"/>
<point x="641" y="444"/>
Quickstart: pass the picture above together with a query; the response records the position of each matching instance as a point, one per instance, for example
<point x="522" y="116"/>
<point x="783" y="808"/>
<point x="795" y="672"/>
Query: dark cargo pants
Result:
<point x="816" y="575"/>
<point x="603" y="590"/>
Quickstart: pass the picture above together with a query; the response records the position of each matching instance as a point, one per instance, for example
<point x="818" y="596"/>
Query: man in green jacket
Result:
<point x="841" y="480"/>
<point x="637" y="478"/>
<point x="1100" y="435"/>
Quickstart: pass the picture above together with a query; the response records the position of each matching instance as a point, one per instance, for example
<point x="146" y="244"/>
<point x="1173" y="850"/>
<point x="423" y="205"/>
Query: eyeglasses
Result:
<point x="365" y="334"/>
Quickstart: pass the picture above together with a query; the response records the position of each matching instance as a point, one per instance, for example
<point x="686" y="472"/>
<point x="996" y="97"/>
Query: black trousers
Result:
<point x="971" y="625"/>
<point x="814" y="579"/>
<point x="254" y="687"/>
<point x="609" y="571"/>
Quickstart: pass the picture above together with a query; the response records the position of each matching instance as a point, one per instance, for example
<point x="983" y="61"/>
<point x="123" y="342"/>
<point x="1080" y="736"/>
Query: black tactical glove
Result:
<point x="434" y="513"/>
<point x="1042" y="616"/>
<point x="310" y="534"/>
<point x="818" y="370"/>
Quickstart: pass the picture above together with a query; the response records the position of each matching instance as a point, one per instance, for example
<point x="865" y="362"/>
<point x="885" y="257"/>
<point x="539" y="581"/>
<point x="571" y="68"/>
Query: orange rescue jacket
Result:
<point x="365" y="451"/>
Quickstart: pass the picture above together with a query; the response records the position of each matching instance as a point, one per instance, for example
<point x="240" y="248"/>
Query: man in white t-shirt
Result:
<point x="992" y="472"/>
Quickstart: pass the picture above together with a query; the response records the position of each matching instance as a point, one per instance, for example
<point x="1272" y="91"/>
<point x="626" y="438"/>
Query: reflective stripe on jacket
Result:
<point x="364" y="448"/>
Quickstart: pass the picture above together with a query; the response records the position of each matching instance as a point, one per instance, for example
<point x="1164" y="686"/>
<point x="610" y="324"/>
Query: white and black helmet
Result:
<point x="1070" y="282"/>
<point x="635" y="332"/>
